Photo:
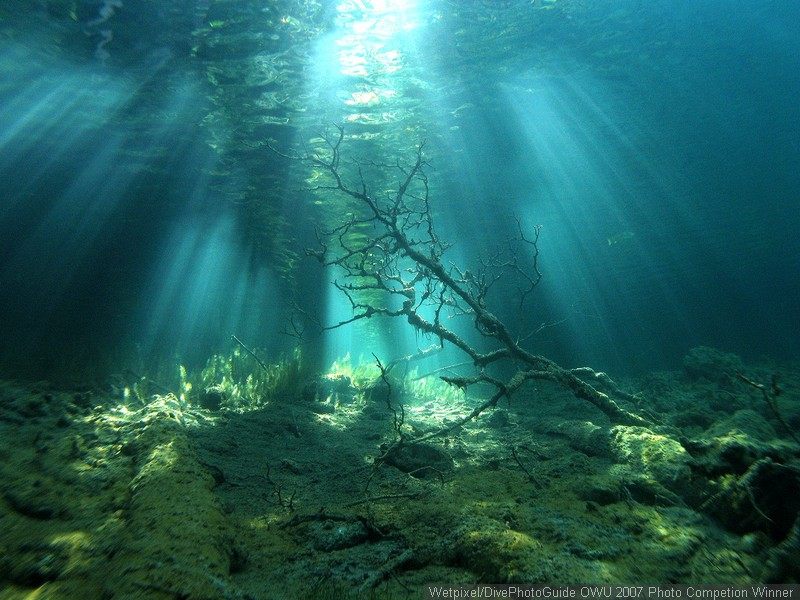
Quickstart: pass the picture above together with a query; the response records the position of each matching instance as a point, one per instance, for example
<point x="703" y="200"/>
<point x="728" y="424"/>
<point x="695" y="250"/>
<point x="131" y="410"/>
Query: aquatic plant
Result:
<point x="390" y="263"/>
<point x="237" y="380"/>
<point x="360" y="373"/>
<point x="245" y="382"/>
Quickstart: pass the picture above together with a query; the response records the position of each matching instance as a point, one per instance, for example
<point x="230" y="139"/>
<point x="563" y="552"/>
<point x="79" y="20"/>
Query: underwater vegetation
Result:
<point x="211" y="495"/>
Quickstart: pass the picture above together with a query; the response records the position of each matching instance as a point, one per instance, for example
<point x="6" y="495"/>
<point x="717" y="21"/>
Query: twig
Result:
<point x="531" y="478"/>
<point x="250" y="352"/>
<point x="419" y="355"/>
<point x="397" y="418"/>
<point x="770" y="395"/>
<point x="388" y="569"/>
<point x="440" y="369"/>
<point x="152" y="382"/>
<point x="371" y="499"/>
<point x="277" y="491"/>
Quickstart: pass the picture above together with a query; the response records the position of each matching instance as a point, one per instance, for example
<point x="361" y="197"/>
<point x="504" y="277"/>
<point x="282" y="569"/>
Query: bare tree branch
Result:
<point x="389" y="261"/>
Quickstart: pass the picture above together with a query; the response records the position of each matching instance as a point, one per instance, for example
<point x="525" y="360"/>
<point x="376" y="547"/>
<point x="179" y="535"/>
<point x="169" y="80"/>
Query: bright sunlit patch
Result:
<point x="373" y="118"/>
<point x="396" y="10"/>
<point x="367" y="28"/>
<point x="363" y="98"/>
<point x="358" y="118"/>
<point x="370" y="97"/>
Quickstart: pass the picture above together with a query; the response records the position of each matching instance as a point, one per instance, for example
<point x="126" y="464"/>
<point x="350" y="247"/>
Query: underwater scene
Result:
<point x="348" y="298"/>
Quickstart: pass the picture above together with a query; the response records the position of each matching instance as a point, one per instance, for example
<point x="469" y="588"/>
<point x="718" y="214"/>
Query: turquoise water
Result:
<point x="144" y="217"/>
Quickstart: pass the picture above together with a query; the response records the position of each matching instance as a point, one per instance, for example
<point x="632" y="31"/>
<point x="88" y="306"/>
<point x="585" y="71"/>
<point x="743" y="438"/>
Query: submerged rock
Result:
<point x="714" y="365"/>
<point x="328" y="536"/>
<point x="656" y="456"/>
<point x="600" y="490"/>
<point x="35" y="499"/>
<point x="175" y="535"/>
<point x="746" y="422"/>
<point x="766" y="498"/>
<point x="732" y="445"/>
<point x="784" y="560"/>
<point x="499" y="419"/>
<point x="500" y="554"/>
<point x="585" y="437"/>
<point x="323" y="408"/>
<point x="421" y="460"/>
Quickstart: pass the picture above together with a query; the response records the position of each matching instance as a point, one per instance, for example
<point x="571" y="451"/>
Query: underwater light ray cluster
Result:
<point x="362" y="66"/>
<point x="595" y="212"/>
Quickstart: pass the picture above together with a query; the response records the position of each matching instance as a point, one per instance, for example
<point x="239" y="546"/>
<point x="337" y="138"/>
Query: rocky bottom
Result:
<point x="107" y="497"/>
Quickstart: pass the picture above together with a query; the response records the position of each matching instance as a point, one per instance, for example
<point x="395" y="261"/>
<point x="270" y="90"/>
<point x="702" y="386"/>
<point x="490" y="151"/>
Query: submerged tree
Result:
<point x="391" y="264"/>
